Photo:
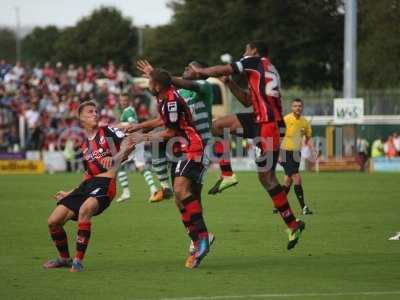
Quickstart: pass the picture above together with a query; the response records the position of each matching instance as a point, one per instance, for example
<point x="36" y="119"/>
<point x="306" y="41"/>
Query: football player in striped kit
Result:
<point x="129" y="116"/>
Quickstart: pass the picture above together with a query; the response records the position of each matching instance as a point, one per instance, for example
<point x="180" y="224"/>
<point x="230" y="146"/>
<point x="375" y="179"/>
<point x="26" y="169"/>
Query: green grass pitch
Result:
<point x="137" y="249"/>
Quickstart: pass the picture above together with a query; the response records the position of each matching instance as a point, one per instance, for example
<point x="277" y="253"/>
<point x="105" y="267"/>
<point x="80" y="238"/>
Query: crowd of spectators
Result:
<point x="388" y="148"/>
<point x="47" y="98"/>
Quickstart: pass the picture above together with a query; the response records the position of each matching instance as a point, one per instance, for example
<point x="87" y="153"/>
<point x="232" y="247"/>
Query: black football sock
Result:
<point x="298" y="189"/>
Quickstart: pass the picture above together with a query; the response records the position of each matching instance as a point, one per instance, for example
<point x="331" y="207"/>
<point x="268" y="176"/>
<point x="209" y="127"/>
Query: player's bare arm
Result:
<point x="145" y="126"/>
<point x="145" y="67"/>
<point x="185" y="84"/>
<point x="154" y="136"/>
<point x="215" y="71"/>
<point x="241" y="94"/>
<point x="127" y="146"/>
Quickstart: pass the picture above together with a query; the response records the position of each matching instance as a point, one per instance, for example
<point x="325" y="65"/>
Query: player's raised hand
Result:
<point x="195" y="69"/>
<point x="145" y="67"/>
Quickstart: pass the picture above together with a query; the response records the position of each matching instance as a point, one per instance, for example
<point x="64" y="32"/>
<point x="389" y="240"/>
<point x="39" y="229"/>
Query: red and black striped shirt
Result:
<point x="264" y="84"/>
<point x="176" y="115"/>
<point x="105" y="143"/>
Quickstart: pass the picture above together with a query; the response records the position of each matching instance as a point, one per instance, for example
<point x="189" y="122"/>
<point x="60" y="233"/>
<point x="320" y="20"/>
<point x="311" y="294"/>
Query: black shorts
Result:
<point x="101" y="188"/>
<point x="266" y="159"/>
<point x="190" y="169"/>
<point x="290" y="161"/>
<point x="247" y="120"/>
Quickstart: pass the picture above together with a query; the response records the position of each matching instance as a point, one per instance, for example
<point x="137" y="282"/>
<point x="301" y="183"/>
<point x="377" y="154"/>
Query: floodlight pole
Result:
<point x="350" y="50"/>
<point x="350" y="70"/>
<point x="17" y="36"/>
<point x="140" y="40"/>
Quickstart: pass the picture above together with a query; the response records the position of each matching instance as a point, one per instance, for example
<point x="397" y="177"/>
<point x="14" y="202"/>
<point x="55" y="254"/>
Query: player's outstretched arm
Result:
<point x="145" y="126"/>
<point x="126" y="147"/>
<point x="185" y="84"/>
<point x="215" y="71"/>
<point x="164" y="134"/>
<point x="145" y="68"/>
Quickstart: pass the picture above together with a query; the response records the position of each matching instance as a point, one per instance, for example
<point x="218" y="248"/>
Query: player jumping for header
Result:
<point x="263" y="90"/>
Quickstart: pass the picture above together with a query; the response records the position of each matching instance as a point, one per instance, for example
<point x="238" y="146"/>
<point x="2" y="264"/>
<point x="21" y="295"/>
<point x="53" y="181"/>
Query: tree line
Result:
<point x="305" y="39"/>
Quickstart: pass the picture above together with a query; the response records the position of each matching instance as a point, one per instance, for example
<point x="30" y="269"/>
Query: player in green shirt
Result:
<point x="129" y="116"/>
<point x="198" y="94"/>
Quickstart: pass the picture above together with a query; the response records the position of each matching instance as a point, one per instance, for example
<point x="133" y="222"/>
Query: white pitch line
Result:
<point x="266" y="296"/>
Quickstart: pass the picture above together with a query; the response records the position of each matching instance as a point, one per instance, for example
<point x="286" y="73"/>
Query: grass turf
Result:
<point x="137" y="249"/>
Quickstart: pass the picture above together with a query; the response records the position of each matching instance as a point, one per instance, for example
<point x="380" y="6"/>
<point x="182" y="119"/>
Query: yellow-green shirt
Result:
<point x="296" y="130"/>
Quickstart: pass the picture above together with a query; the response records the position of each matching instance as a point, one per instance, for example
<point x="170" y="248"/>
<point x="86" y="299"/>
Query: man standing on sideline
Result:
<point x="298" y="130"/>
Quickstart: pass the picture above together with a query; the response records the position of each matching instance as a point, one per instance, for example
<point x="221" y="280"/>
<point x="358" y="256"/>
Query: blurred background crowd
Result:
<point x="48" y="96"/>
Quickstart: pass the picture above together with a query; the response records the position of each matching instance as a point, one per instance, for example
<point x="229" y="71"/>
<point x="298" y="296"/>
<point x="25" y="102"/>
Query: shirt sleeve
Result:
<point x="129" y="116"/>
<point x="132" y="116"/>
<point x="246" y="63"/>
<point x="116" y="134"/>
<point x="173" y="113"/>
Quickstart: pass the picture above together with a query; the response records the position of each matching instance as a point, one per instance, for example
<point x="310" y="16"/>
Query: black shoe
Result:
<point x="275" y="211"/>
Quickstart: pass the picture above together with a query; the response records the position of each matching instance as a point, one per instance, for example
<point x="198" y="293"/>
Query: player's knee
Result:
<point x="85" y="213"/>
<point x="53" y="221"/>
<point x="288" y="180"/>
<point x="84" y="216"/>
<point x="296" y="178"/>
<point x="179" y="195"/>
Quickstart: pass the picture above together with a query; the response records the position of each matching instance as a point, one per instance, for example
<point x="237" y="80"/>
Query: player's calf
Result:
<point x="57" y="233"/>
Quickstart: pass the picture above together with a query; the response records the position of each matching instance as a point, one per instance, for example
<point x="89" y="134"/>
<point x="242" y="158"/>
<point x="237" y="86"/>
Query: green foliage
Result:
<point x="103" y="35"/>
<point x="379" y="46"/>
<point x="305" y="37"/>
<point x="38" y="46"/>
<point x="7" y="44"/>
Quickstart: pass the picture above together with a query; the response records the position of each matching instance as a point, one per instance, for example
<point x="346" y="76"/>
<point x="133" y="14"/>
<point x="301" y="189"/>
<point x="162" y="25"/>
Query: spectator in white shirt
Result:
<point x="19" y="70"/>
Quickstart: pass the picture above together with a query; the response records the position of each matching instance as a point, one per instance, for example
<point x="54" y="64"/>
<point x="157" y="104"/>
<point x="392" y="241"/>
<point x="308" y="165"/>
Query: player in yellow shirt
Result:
<point x="298" y="129"/>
